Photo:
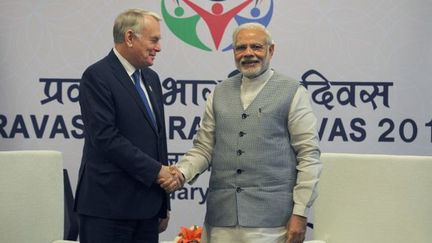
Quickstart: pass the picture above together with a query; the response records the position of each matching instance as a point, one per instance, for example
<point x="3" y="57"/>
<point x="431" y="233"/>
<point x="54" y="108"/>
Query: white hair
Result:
<point x="252" y="25"/>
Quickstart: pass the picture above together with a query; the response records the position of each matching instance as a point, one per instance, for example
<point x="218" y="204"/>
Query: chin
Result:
<point x="250" y="73"/>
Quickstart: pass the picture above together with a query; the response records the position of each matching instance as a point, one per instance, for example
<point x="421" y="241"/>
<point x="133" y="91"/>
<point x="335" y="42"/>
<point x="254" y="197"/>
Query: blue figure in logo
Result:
<point x="255" y="13"/>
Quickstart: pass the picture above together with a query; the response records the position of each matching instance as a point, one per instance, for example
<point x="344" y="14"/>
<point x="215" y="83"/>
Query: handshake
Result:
<point x="170" y="178"/>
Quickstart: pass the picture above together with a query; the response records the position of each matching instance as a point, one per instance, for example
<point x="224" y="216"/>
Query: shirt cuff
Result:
<point x="301" y="210"/>
<point x="190" y="179"/>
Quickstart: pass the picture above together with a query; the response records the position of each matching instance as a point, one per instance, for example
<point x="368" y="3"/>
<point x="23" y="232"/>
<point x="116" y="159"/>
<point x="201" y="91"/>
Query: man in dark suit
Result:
<point x="118" y="197"/>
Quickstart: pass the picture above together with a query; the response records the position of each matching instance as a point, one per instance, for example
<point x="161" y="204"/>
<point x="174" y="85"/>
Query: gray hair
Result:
<point x="252" y="25"/>
<point x="131" y="19"/>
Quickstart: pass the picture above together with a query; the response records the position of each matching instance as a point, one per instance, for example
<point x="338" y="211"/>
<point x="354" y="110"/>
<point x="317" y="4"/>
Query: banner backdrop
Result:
<point x="367" y="65"/>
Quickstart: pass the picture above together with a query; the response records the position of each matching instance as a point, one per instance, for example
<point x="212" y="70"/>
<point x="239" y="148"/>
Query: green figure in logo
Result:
<point x="184" y="28"/>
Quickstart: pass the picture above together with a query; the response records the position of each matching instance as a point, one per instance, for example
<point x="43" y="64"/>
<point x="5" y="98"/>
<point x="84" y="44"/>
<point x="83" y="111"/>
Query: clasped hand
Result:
<point x="170" y="178"/>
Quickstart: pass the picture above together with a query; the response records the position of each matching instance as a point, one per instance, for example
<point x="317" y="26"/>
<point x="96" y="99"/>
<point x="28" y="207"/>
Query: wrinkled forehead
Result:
<point x="248" y="36"/>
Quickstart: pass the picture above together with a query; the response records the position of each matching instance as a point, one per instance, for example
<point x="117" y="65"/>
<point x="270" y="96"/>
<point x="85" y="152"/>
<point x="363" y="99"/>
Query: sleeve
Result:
<point x="197" y="159"/>
<point x="302" y="125"/>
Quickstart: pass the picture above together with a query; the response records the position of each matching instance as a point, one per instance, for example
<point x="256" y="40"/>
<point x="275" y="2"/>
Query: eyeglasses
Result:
<point x="253" y="47"/>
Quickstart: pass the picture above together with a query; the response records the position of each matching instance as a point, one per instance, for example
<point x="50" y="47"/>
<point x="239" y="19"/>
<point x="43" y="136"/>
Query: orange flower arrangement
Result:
<point x="190" y="235"/>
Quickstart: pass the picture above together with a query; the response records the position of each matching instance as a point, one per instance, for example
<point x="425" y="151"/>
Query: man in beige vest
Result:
<point x="258" y="134"/>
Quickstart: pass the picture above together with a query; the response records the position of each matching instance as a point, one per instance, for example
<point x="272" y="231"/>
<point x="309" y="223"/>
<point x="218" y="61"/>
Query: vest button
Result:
<point x="239" y="171"/>
<point x="239" y="189"/>
<point x="244" y="116"/>
<point x="241" y="134"/>
<point x="239" y="152"/>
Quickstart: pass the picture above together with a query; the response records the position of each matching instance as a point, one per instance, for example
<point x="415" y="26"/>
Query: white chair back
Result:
<point x="31" y="196"/>
<point x="365" y="198"/>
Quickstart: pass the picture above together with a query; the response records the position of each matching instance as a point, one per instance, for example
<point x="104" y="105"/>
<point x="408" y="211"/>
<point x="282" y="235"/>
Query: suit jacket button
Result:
<point x="238" y="189"/>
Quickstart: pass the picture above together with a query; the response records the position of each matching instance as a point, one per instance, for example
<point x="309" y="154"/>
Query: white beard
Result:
<point x="255" y="71"/>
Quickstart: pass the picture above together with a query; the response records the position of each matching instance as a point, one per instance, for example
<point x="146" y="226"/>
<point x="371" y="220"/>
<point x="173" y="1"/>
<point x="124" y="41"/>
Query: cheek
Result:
<point x="238" y="61"/>
<point x="261" y="57"/>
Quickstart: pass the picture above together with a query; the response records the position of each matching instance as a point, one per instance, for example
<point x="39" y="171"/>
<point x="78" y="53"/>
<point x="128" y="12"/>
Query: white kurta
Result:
<point x="302" y="125"/>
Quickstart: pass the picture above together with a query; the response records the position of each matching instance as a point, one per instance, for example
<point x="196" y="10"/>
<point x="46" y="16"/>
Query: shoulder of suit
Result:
<point x="100" y="64"/>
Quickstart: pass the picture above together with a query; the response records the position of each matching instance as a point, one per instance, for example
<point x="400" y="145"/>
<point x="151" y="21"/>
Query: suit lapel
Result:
<point x="122" y="76"/>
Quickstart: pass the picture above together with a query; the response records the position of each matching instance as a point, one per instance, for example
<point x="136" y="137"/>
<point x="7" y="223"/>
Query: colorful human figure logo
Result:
<point x="217" y="20"/>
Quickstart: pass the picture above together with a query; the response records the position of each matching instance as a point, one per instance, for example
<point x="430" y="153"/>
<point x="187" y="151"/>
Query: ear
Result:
<point x="271" y="49"/>
<point x="128" y="38"/>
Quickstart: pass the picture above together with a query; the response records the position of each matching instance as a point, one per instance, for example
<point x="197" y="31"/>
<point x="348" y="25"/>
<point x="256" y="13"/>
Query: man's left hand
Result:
<point x="163" y="223"/>
<point x="296" y="229"/>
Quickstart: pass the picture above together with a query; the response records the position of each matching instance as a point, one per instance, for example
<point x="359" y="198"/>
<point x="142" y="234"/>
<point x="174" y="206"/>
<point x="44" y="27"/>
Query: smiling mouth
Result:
<point x="249" y="62"/>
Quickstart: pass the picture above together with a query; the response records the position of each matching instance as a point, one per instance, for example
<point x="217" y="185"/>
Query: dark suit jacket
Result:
<point x="123" y="152"/>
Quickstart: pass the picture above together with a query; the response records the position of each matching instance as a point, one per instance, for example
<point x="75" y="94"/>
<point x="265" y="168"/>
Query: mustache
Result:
<point x="249" y="59"/>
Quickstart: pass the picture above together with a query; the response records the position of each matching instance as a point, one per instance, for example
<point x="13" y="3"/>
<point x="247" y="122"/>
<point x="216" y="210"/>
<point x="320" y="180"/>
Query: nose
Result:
<point x="158" y="47"/>
<point x="249" y="51"/>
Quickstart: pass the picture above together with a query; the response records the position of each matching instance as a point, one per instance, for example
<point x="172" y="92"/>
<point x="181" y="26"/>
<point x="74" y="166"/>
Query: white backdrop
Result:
<point x="366" y="63"/>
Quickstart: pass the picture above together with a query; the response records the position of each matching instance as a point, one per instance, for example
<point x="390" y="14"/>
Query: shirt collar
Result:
<point x="264" y="77"/>
<point x="130" y="69"/>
